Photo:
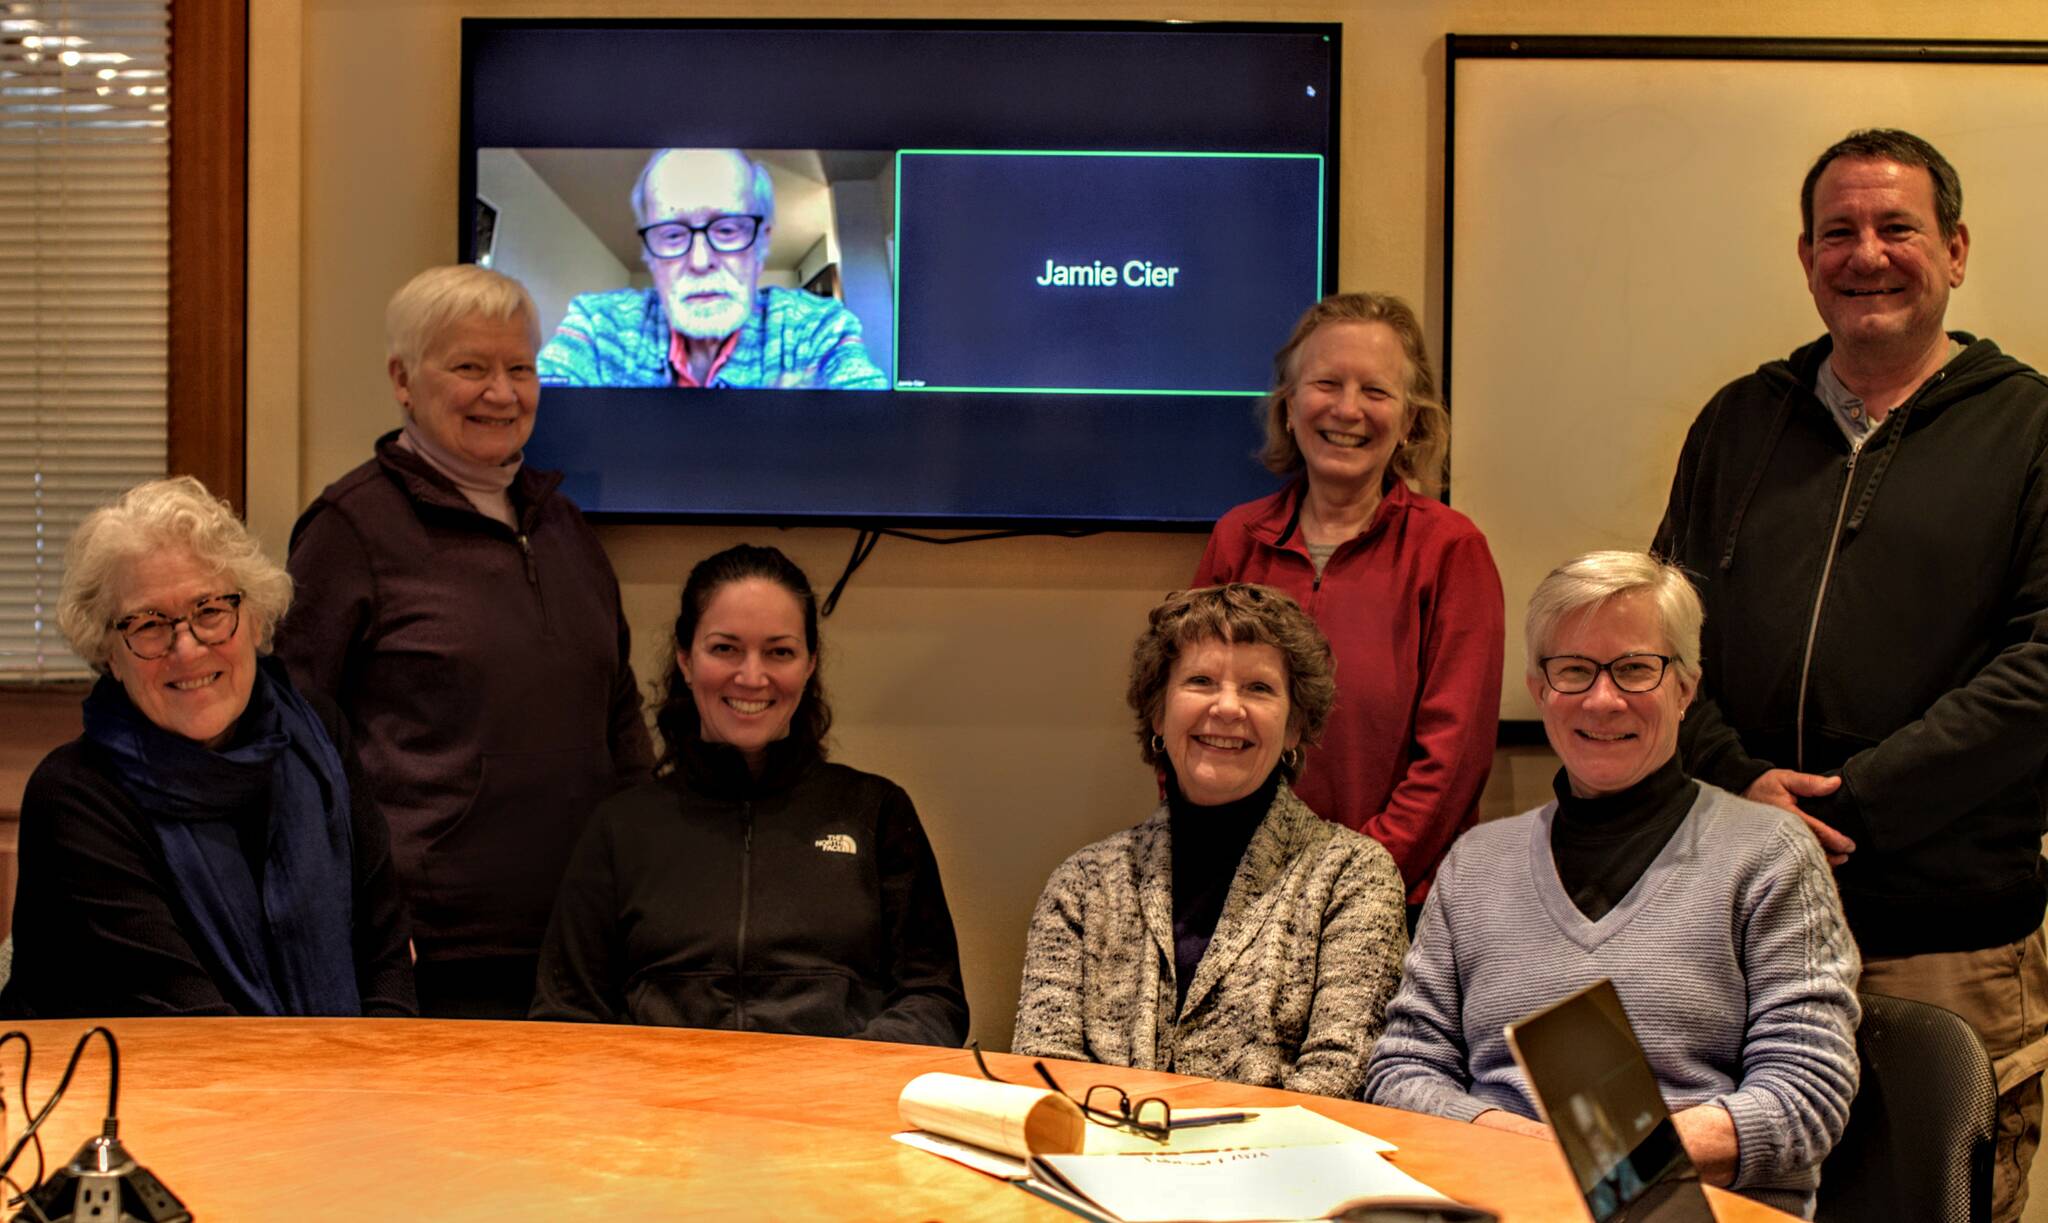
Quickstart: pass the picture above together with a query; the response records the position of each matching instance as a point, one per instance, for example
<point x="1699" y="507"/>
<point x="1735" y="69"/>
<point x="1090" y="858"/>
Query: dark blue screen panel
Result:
<point x="883" y="85"/>
<point x="1085" y="272"/>
<point x="829" y="455"/>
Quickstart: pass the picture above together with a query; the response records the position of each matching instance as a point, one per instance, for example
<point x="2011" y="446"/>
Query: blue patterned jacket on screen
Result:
<point x="793" y="339"/>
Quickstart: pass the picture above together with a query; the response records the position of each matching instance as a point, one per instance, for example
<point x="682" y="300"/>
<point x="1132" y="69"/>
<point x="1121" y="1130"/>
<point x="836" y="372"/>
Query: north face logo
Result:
<point x="837" y="843"/>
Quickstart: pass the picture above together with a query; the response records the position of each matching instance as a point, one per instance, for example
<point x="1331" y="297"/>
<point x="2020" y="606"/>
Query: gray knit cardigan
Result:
<point x="1291" y="993"/>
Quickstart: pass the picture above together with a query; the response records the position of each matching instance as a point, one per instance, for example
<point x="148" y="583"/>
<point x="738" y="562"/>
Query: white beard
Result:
<point x="707" y="320"/>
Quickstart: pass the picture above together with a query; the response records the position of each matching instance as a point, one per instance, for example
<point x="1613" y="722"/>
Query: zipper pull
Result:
<point x="526" y="551"/>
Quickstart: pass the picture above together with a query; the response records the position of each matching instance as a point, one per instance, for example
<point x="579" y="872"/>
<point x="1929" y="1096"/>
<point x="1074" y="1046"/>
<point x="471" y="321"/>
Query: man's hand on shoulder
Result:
<point x="1784" y="788"/>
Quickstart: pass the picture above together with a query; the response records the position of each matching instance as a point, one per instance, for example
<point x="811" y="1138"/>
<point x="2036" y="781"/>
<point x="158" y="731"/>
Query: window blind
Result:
<point x="84" y="291"/>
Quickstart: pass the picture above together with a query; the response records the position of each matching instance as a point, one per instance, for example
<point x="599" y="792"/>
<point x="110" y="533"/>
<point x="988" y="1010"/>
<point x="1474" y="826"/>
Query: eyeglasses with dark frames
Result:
<point x="149" y="635"/>
<point x="1104" y="1103"/>
<point x="1571" y="674"/>
<point x="727" y="235"/>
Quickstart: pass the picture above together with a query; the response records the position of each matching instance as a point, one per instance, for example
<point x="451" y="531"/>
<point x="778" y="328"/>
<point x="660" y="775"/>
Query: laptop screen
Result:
<point x="1598" y="1094"/>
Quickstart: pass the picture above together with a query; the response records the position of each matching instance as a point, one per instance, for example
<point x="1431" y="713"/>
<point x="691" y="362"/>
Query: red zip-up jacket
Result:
<point x="1412" y="607"/>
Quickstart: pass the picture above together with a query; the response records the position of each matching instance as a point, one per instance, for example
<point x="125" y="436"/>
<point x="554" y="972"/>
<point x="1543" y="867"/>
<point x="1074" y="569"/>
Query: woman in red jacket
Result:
<point x="1402" y="585"/>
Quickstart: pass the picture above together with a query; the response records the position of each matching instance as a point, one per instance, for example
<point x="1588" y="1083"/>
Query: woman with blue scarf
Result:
<point x="207" y="847"/>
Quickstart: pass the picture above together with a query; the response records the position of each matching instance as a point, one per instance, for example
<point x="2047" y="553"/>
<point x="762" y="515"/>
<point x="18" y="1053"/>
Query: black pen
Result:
<point x="1188" y="1123"/>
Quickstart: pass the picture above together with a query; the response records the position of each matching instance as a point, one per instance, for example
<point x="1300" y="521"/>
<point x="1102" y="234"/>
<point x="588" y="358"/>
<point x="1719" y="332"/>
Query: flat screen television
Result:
<point x="974" y="274"/>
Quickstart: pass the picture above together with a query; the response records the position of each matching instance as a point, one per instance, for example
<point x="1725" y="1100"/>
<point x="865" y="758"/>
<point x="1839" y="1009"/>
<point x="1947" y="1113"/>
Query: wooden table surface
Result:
<point x="313" y="1119"/>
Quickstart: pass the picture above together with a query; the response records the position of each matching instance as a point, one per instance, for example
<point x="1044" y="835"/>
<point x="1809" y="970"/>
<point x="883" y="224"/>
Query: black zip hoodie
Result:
<point x="1883" y="616"/>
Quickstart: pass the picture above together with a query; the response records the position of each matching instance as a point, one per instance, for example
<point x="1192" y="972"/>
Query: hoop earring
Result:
<point x="1290" y="759"/>
<point x="1158" y="745"/>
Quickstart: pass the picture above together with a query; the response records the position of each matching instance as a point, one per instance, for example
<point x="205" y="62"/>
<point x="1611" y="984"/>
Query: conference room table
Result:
<point x="317" y="1119"/>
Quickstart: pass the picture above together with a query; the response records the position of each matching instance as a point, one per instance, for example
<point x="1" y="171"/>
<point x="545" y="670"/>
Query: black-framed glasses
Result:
<point x="728" y="235"/>
<point x="149" y="635"/>
<point x="1104" y="1103"/>
<point x="1571" y="674"/>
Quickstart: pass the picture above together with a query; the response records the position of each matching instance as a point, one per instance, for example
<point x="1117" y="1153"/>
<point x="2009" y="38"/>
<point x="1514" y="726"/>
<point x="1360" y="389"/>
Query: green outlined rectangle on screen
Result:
<point x="1101" y="272"/>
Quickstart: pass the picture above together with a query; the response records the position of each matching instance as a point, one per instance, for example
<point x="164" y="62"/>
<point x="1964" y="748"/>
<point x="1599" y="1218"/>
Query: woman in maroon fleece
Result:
<point x="1402" y="585"/>
<point x="464" y="617"/>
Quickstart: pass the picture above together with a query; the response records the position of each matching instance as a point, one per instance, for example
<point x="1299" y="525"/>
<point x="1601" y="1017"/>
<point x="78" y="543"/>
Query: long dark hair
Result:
<point x="677" y="718"/>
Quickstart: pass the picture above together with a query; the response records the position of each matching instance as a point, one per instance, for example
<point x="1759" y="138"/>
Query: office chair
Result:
<point x="1918" y="1145"/>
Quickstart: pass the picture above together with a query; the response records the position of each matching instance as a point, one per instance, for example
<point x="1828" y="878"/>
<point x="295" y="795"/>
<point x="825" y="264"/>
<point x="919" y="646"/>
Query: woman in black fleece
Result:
<point x="752" y="884"/>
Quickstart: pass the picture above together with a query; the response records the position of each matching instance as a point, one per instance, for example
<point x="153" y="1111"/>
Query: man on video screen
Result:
<point x="704" y="218"/>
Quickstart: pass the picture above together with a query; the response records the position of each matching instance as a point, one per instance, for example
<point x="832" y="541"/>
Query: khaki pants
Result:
<point x="2003" y="993"/>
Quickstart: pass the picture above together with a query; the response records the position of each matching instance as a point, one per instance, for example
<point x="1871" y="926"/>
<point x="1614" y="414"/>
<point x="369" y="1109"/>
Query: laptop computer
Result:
<point x="1595" y="1089"/>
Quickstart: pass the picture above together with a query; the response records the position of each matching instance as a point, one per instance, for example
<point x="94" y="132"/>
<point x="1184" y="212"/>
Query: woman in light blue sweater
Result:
<point x="1715" y="917"/>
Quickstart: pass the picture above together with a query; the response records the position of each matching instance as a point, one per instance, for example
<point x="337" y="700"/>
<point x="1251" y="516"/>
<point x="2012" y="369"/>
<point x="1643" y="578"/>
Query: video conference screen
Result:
<point x="991" y="274"/>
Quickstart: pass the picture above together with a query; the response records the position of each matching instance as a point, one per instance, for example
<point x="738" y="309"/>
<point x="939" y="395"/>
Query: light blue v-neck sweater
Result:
<point x="1730" y="955"/>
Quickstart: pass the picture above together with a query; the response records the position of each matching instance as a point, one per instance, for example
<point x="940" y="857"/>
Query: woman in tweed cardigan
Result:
<point x="1232" y="935"/>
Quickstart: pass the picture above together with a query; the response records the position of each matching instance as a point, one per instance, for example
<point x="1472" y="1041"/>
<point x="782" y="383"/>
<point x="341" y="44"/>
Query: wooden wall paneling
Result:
<point x="209" y="119"/>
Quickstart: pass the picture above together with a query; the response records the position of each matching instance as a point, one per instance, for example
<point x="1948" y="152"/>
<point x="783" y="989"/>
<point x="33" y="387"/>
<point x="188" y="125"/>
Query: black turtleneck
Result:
<point x="1208" y="843"/>
<point x="1603" y="845"/>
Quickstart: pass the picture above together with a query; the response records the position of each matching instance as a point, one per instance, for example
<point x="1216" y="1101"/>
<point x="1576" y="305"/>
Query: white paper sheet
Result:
<point x="1231" y="1186"/>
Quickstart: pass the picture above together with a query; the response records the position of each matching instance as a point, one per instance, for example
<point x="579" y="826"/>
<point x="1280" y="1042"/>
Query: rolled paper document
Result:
<point x="1006" y="1117"/>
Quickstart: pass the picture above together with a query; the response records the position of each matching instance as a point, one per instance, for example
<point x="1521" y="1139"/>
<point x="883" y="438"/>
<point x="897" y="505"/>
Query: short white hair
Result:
<point x="438" y="298"/>
<point x="1597" y="578"/>
<point x="178" y="514"/>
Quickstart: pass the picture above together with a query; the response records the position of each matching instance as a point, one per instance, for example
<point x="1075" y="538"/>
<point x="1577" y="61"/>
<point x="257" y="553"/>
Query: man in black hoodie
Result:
<point x="1866" y="521"/>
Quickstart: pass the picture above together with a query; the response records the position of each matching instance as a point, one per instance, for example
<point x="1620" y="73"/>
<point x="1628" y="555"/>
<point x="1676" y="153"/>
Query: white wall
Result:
<point x="540" y="241"/>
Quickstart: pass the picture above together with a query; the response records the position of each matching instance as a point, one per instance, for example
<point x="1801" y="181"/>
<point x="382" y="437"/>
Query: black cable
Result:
<point x="71" y="1067"/>
<point x="864" y="542"/>
<point x="865" y="539"/>
<point x="28" y="1050"/>
<point x="30" y="1208"/>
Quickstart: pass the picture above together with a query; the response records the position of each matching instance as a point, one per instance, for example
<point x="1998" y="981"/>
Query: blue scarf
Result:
<point x="285" y="948"/>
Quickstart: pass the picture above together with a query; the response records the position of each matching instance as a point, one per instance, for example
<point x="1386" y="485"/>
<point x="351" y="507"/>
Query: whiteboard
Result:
<point x="1621" y="238"/>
